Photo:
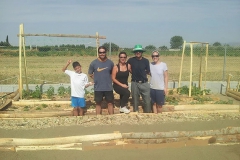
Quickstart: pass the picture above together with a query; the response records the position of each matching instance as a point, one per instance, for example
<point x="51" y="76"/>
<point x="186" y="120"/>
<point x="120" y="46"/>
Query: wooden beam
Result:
<point x="198" y="42"/>
<point x="6" y="104"/>
<point x="211" y="136"/>
<point x="233" y="95"/>
<point x="206" y="107"/>
<point x="178" y="134"/>
<point x="64" y="35"/>
<point x="234" y="92"/>
<point x="59" y="140"/>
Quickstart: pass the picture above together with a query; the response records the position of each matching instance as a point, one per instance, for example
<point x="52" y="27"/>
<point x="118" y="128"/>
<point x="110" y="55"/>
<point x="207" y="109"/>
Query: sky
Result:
<point x="123" y="22"/>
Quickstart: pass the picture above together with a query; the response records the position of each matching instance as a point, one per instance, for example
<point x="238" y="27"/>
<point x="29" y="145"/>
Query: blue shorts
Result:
<point x="157" y="96"/>
<point x="78" y="102"/>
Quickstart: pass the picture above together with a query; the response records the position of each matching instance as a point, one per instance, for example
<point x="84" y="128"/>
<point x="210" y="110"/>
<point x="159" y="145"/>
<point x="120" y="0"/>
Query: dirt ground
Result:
<point x="174" y="151"/>
<point x="198" y="151"/>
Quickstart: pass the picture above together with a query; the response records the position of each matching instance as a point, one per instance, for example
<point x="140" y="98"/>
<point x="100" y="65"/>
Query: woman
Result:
<point x="120" y="75"/>
<point x="158" y="82"/>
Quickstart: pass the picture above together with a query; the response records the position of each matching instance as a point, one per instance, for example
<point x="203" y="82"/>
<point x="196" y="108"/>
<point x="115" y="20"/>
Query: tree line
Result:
<point x="176" y="42"/>
<point x="5" y="43"/>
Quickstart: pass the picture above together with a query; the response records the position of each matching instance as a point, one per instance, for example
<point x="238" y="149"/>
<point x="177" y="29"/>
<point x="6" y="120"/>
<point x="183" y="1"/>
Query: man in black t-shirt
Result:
<point x="139" y="82"/>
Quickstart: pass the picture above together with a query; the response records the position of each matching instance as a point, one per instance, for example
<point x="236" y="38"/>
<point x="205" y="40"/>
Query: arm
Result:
<point x="89" y="84"/>
<point x="130" y="68"/>
<point x="114" y="72"/>
<point x="148" y="67"/>
<point x="65" y="67"/>
<point x="91" y="75"/>
<point x="90" y="71"/>
<point x="166" y="82"/>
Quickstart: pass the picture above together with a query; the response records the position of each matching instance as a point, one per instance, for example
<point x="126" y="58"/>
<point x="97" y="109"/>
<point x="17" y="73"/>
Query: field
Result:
<point x="48" y="69"/>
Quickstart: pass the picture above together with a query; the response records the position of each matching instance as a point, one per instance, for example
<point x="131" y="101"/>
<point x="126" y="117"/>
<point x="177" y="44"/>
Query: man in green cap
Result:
<point x="139" y="83"/>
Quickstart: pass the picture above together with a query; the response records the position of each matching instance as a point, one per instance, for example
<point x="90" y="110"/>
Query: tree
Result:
<point x="150" y="47"/>
<point x="114" y="47"/>
<point x="7" y="42"/>
<point x="163" y="48"/>
<point x="217" y="44"/>
<point x="176" y="42"/>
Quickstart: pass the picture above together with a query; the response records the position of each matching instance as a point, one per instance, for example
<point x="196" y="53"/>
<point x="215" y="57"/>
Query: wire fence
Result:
<point x="46" y="56"/>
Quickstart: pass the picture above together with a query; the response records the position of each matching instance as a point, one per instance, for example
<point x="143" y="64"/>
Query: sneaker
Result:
<point x="124" y="110"/>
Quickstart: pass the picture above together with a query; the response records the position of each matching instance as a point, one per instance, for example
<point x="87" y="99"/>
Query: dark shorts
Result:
<point x="98" y="96"/>
<point x="157" y="96"/>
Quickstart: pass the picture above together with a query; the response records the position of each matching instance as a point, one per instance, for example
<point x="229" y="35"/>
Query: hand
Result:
<point x="69" y="61"/>
<point x="90" y="83"/>
<point x="166" y="91"/>
<point x="125" y="86"/>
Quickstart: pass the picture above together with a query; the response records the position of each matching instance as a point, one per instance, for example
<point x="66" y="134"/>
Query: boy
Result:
<point x="79" y="81"/>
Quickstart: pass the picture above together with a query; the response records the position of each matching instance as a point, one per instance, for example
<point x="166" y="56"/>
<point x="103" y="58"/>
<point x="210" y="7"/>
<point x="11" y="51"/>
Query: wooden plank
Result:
<point x="35" y="115"/>
<point x="59" y="140"/>
<point x="34" y="102"/>
<point x="71" y="146"/>
<point x="234" y="92"/>
<point x="206" y="107"/>
<point x="63" y="35"/>
<point x="6" y="104"/>
<point x="178" y="134"/>
<point x="233" y="95"/>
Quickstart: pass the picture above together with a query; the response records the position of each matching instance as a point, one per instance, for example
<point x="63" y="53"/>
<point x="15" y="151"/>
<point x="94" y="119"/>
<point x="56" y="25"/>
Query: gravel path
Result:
<point x="118" y="119"/>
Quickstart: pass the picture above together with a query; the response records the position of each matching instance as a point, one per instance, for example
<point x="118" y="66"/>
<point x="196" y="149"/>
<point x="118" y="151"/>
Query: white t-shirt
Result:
<point x="157" y="75"/>
<point x="78" y="82"/>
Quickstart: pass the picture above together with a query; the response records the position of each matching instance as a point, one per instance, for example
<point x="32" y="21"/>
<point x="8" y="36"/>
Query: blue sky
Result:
<point x="125" y="22"/>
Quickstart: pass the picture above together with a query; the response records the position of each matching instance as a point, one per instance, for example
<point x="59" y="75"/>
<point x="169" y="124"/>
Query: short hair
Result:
<point x="102" y="47"/>
<point x="156" y="52"/>
<point x="75" y="64"/>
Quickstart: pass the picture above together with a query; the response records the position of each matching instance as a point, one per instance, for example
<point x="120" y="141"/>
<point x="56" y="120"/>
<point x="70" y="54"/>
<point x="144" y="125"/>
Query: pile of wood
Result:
<point x="233" y="94"/>
<point x="229" y="135"/>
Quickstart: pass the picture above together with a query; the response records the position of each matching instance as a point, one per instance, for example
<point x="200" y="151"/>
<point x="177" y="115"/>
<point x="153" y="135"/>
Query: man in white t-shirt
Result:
<point x="79" y="81"/>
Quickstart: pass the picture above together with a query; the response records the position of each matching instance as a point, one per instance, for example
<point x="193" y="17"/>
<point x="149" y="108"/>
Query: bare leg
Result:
<point x="110" y="108"/>
<point x="75" y="111"/>
<point x="81" y="111"/>
<point x="159" y="109"/>
<point x="155" y="108"/>
<point x="98" y="108"/>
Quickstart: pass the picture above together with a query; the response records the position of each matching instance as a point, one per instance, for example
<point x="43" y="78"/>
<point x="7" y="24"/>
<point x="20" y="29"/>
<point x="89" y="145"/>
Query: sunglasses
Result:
<point x="138" y="52"/>
<point x="155" y="56"/>
<point x="101" y="52"/>
<point x="122" y="57"/>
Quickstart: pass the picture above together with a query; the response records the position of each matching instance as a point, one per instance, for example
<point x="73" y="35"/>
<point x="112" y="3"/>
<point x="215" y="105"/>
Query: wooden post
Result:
<point x="206" y="59"/>
<point x="25" y="61"/>
<point x="97" y="42"/>
<point x="20" y="86"/>
<point x="190" y="80"/>
<point x="180" y="74"/>
<point x="228" y="83"/>
<point x="200" y="70"/>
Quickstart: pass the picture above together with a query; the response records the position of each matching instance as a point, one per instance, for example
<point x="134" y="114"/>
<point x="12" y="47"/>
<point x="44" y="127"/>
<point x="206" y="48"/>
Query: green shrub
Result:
<point x="44" y="105"/>
<point x="50" y="92"/>
<point x="61" y="91"/>
<point x="37" y="93"/>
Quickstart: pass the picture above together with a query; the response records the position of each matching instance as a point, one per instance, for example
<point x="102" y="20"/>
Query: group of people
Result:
<point x="108" y="77"/>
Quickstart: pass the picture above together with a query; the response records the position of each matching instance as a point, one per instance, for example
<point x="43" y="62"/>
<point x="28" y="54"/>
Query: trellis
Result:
<point x="191" y="62"/>
<point x="22" y="50"/>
